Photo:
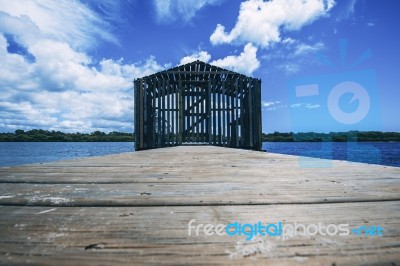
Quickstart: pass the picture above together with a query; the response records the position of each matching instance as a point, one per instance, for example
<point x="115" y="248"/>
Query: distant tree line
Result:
<point x="38" y="135"/>
<point x="359" y="136"/>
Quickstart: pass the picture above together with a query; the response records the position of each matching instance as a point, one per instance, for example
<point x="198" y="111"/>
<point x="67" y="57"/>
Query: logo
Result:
<point x="280" y="229"/>
<point x="346" y="99"/>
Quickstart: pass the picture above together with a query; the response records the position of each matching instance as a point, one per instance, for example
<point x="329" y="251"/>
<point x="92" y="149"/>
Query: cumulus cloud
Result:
<point x="202" y="56"/>
<point x="261" y="22"/>
<point x="171" y="10"/>
<point x="136" y="70"/>
<point x="55" y="83"/>
<point x="245" y="63"/>
<point x="10" y="72"/>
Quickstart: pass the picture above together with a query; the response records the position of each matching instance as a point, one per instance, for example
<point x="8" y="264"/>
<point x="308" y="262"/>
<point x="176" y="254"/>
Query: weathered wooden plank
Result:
<point x="209" y="184"/>
<point x="160" y="235"/>
<point x="200" y="159"/>
<point x="171" y="187"/>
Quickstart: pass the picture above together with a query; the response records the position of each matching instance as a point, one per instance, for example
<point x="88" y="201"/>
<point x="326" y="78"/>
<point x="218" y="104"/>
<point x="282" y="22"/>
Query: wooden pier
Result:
<point x="134" y="208"/>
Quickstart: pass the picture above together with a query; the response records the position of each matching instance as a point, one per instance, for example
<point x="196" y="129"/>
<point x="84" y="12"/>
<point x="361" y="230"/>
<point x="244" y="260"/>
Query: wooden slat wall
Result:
<point x="198" y="104"/>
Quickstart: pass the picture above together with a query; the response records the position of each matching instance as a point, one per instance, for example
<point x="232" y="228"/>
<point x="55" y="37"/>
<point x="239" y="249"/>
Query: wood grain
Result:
<point x="134" y="208"/>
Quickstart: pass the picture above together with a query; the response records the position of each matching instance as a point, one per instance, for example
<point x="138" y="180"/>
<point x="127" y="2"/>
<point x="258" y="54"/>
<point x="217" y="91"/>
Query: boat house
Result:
<point x="197" y="103"/>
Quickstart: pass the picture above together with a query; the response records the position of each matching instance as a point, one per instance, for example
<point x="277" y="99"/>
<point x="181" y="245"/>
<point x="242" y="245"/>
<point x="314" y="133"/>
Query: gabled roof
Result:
<point x="196" y="70"/>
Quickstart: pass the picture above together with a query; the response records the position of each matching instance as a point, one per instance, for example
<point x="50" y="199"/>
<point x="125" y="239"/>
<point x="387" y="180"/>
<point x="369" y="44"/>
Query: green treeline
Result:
<point x="98" y="136"/>
<point x="37" y="135"/>
<point x="360" y="136"/>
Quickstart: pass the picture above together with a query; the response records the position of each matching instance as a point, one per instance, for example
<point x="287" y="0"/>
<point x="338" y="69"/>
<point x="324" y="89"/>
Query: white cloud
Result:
<point x="351" y="7"/>
<point x="62" y="87"/>
<point x="272" y="106"/>
<point x="171" y="10"/>
<point x="202" y="56"/>
<point x="245" y="63"/>
<point x="305" y="105"/>
<point x="128" y="71"/>
<point x="290" y="55"/>
<point x="269" y="104"/>
<point x="348" y="11"/>
<point x="288" y="41"/>
<point x="289" y="68"/>
<point x="261" y="22"/>
<point x="62" y="91"/>
<point x="15" y="71"/>
<point x="303" y="48"/>
<point x="312" y="106"/>
<point x="67" y="21"/>
<point x="275" y="105"/>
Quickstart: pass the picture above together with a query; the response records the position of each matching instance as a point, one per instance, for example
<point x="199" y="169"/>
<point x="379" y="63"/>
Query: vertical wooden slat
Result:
<point x="197" y="114"/>
<point x="246" y="121"/>
<point x="177" y="108"/>
<point x="228" y="114"/>
<point x="136" y="114"/>
<point x="200" y="115"/>
<point x="193" y="115"/>
<point x="146" y="115"/>
<point x="242" y="114"/>
<point x="204" y="114"/>
<point x="237" y="112"/>
<point x="159" y="111"/>
<point x="250" y="109"/>
<point x="168" y="112"/>
<point x="208" y="107"/>
<point x="233" y="121"/>
<point x="164" y="112"/>
<point x="219" y="119"/>
<point x="187" y="113"/>
<point x="258" y="111"/>
<point x="181" y="107"/>
<point x="154" y="133"/>
<point x="172" y="112"/>
<point x="223" y="112"/>
<point x="141" y="128"/>
<point x="214" y="94"/>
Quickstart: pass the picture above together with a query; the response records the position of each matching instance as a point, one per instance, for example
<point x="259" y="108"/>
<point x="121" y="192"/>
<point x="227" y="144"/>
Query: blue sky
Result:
<point x="325" y="65"/>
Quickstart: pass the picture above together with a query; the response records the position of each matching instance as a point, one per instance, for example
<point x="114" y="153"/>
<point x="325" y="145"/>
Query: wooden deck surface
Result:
<point x="134" y="208"/>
